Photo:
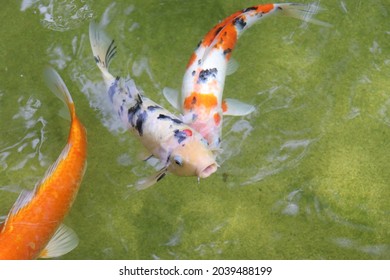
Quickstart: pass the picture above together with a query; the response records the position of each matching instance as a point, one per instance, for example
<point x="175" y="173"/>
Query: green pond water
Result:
<point x="304" y="177"/>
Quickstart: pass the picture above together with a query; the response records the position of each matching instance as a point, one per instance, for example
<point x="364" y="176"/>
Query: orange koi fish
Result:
<point x="33" y="227"/>
<point x="201" y="97"/>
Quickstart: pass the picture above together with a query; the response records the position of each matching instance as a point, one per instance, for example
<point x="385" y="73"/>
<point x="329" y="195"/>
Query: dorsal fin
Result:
<point x="216" y="39"/>
<point x="23" y="199"/>
<point x="27" y="195"/>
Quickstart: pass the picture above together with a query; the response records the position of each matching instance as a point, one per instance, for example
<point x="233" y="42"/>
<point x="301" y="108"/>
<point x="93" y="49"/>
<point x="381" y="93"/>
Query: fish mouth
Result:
<point x="208" y="170"/>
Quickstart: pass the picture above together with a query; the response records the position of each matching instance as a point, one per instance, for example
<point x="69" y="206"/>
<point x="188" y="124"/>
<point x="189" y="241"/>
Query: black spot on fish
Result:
<point x="111" y="51"/>
<point x="141" y="118"/>
<point x="165" y="117"/>
<point x="239" y="22"/>
<point x="204" y="75"/>
<point x="199" y="62"/>
<point x="193" y="73"/>
<point x="249" y="9"/>
<point x="218" y="30"/>
<point x="227" y="51"/>
<point x="180" y="135"/>
<point x="97" y="59"/>
<point x="168" y="158"/>
<point x="152" y="108"/>
<point x="139" y="99"/>
<point x="133" y="111"/>
<point x="160" y="177"/>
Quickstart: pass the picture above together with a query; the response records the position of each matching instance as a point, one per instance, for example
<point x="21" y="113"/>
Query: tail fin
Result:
<point x="103" y="47"/>
<point x="304" y="12"/>
<point x="58" y="87"/>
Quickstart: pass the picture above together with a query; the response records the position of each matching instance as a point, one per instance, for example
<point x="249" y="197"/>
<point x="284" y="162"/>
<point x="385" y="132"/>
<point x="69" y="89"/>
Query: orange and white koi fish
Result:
<point x="33" y="227"/>
<point x="180" y="148"/>
<point x="203" y="83"/>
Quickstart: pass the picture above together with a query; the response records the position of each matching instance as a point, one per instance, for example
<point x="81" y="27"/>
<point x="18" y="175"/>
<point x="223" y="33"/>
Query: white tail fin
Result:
<point x="55" y="83"/>
<point x="103" y="47"/>
<point x="304" y="12"/>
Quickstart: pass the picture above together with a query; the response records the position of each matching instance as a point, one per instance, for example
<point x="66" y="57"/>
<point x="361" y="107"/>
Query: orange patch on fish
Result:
<point x="208" y="100"/>
<point x="213" y="33"/>
<point x="217" y="119"/>
<point x="192" y="59"/>
<point x="265" y="8"/>
<point x="226" y="31"/>
<point x="227" y="40"/>
<point x="224" y="106"/>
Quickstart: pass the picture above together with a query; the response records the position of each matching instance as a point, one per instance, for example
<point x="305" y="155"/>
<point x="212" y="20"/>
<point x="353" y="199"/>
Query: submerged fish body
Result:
<point x="33" y="227"/>
<point x="182" y="150"/>
<point x="203" y="83"/>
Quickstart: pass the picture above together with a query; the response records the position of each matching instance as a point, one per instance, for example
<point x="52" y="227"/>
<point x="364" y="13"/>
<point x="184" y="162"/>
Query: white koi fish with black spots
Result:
<point x="201" y="96"/>
<point x="182" y="150"/>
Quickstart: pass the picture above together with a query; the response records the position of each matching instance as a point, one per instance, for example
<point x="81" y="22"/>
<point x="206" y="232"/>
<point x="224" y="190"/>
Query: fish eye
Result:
<point x="178" y="160"/>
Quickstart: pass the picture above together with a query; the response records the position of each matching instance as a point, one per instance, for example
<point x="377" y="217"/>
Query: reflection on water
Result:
<point x="304" y="176"/>
<point x="60" y="15"/>
<point x="29" y="145"/>
<point x="374" y="250"/>
<point x="285" y="147"/>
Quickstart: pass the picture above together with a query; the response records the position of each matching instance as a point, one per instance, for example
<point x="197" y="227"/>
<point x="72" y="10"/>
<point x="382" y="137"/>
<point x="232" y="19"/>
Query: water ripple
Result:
<point x="60" y="15"/>
<point x="30" y="143"/>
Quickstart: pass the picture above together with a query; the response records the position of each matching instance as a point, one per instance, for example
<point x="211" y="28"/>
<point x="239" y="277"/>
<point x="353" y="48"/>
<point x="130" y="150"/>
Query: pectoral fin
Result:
<point x="233" y="107"/>
<point x="151" y="180"/>
<point x="63" y="241"/>
<point x="232" y="67"/>
<point x="172" y="96"/>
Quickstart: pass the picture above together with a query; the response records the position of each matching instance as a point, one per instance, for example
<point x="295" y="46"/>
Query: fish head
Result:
<point x="193" y="158"/>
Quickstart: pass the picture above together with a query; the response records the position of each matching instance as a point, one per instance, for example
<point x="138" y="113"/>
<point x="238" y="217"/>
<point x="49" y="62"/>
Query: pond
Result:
<point x="306" y="176"/>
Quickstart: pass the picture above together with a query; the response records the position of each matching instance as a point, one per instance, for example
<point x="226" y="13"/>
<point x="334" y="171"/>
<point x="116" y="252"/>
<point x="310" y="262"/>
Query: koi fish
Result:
<point x="203" y="83"/>
<point x="33" y="227"/>
<point x="180" y="148"/>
